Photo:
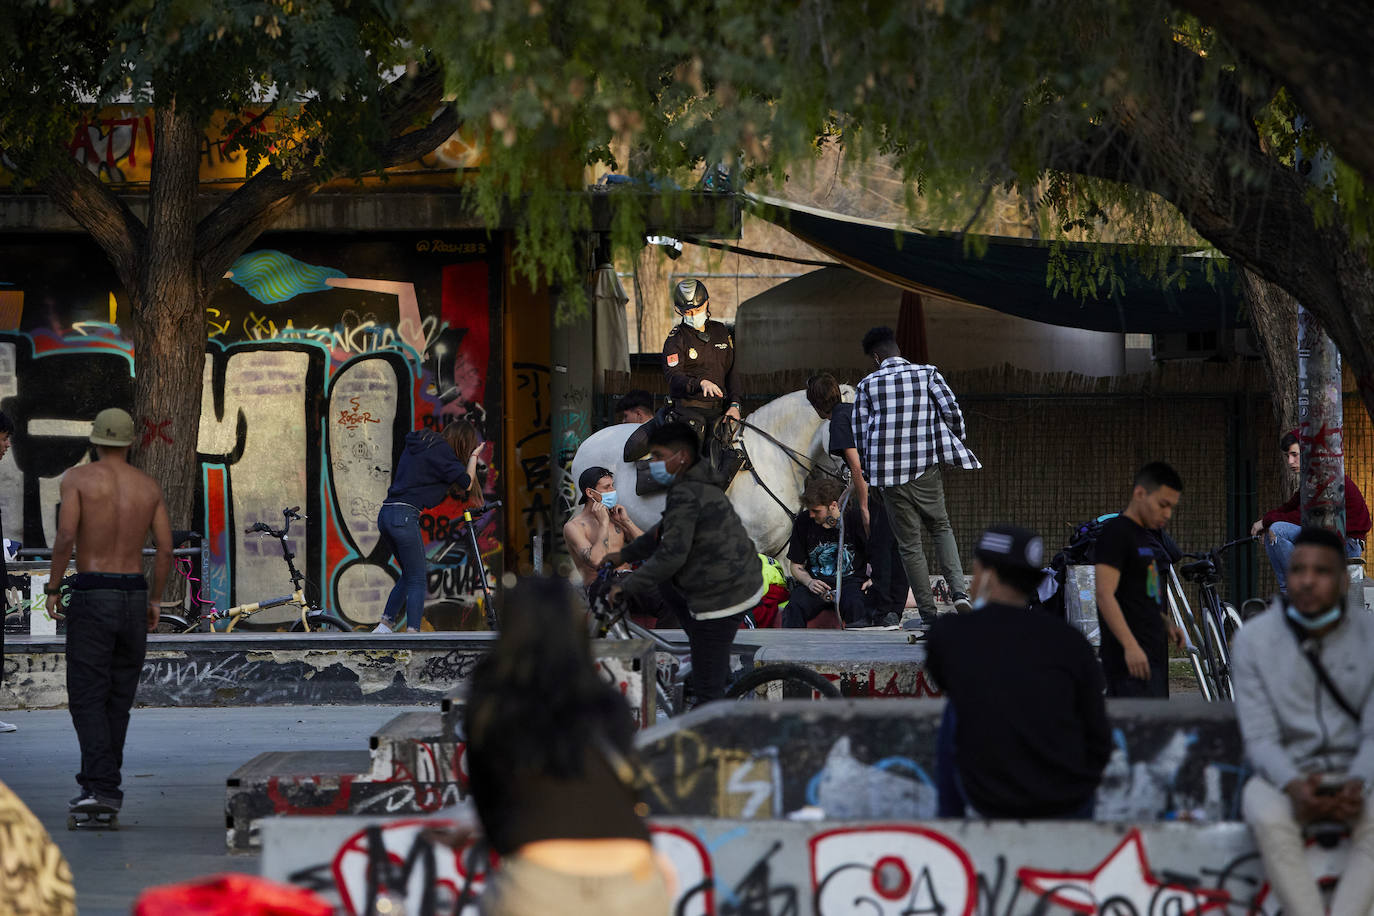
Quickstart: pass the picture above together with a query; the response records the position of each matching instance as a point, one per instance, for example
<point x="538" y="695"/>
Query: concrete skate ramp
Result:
<point x="857" y="759"/>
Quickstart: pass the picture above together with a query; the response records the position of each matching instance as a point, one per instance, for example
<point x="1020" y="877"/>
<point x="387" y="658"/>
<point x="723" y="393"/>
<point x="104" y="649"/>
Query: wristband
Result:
<point x="49" y="590"/>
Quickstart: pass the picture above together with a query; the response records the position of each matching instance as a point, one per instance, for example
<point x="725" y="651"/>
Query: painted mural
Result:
<point x="322" y="352"/>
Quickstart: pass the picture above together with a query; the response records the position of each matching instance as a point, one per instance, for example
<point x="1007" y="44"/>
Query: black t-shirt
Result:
<point x="1128" y="547"/>
<point x="814" y="546"/>
<point x="1031" y="732"/>
<point x="842" y="428"/>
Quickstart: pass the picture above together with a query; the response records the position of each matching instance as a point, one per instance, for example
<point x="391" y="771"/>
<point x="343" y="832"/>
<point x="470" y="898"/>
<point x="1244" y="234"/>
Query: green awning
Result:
<point x="1011" y="274"/>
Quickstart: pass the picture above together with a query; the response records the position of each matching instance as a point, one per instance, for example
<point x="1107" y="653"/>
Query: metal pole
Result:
<point x="1320" y="427"/>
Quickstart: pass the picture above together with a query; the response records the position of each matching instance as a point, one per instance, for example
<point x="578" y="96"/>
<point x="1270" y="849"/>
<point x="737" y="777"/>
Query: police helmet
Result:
<point x="689" y="294"/>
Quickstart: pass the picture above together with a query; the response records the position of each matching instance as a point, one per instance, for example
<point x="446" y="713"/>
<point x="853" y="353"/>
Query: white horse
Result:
<point x="790" y="419"/>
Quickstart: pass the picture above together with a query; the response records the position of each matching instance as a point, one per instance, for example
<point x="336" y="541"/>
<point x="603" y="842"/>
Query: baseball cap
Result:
<point x="1011" y="547"/>
<point x="112" y="427"/>
<point x="589" y="479"/>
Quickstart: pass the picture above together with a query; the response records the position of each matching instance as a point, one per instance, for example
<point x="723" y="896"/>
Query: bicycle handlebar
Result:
<point x="485" y="507"/>
<point x="1224" y="547"/>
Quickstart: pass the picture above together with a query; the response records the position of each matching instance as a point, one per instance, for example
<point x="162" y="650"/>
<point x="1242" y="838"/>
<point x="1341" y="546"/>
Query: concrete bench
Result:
<point x="886" y="867"/>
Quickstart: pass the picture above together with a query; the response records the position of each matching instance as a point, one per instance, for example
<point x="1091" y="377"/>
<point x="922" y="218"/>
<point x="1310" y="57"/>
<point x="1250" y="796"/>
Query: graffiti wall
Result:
<point x="322" y="353"/>
<point x="1179" y="758"/>
<point x="781" y="868"/>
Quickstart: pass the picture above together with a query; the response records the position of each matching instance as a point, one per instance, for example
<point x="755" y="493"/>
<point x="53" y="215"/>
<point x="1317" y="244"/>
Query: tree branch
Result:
<point x="97" y="209"/>
<point x="242" y="216"/>
<point x="1320" y="51"/>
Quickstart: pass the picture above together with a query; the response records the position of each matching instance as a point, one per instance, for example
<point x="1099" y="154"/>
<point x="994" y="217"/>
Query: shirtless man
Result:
<point x="107" y="510"/>
<point x="601" y="527"/>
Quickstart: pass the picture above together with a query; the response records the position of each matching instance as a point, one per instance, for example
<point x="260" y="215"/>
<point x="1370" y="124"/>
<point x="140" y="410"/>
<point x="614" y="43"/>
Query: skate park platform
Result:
<point x="234" y="669"/>
<point x="256" y="669"/>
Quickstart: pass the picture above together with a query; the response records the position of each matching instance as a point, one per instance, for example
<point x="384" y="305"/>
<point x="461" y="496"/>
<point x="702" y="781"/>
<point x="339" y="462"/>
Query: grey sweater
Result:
<point x="1290" y="723"/>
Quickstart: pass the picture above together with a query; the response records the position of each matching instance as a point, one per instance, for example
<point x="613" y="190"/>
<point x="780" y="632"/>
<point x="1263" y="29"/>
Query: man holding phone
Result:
<point x="1304" y="680"/>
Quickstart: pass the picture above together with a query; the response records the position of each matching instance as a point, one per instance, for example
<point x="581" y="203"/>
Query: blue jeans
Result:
<point x="400" y="526"/>
<point x="1281" y="548"/>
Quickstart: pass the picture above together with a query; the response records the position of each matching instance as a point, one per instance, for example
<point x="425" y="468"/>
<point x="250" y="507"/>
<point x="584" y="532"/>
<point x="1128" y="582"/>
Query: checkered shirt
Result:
<point x="906" y="421"/>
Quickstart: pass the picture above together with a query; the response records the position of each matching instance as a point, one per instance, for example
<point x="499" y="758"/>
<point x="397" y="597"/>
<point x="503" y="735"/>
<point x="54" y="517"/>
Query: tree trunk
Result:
<point x="168" y="321"/>
<point x="1274" y="316"/>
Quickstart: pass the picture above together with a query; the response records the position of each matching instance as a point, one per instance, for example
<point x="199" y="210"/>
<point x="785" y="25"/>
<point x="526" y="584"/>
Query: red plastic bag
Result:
<point x="230" y="895"/>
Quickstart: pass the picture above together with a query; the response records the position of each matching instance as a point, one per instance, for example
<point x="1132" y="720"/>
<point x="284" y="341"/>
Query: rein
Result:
<point x="797" y="458"/>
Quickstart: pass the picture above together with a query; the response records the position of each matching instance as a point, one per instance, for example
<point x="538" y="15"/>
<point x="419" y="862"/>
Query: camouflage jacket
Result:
<point x="701" y="545"/>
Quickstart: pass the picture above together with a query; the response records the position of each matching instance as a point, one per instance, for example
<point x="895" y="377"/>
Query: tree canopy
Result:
<point x="313" y="90"/>
<point x="1098" y="110"/>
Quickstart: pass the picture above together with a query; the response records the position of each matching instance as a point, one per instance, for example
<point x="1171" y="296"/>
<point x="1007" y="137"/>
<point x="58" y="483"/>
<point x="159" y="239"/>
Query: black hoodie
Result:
<point x="426" y="470"/>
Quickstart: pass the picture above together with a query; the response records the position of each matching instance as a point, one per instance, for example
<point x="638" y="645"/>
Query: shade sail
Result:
<point x="1011" y="275"/>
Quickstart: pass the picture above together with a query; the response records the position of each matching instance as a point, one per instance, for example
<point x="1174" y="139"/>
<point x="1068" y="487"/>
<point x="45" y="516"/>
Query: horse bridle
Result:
<point x="797" y="458"/>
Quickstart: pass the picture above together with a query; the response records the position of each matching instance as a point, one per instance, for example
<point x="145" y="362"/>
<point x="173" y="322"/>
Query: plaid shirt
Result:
<point x="906" y="421"/>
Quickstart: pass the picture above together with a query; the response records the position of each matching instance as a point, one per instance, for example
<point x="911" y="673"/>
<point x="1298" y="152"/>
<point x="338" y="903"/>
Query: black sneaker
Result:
<point x="88" y="801"/>
<point x="961" y="603"/>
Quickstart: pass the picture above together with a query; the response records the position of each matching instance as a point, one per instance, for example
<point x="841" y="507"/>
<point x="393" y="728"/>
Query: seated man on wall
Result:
<point x="603" y="527"/>
<point x="890" y="589"/>
<point x="817" y="558"/>
<point x="1304" y="681"/>
<point x="1046" y="759"/>
<point x="1282" y="524"/>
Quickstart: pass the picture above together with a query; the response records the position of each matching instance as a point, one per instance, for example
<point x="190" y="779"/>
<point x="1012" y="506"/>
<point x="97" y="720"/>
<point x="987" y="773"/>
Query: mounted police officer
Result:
<point x="699" y="363"/>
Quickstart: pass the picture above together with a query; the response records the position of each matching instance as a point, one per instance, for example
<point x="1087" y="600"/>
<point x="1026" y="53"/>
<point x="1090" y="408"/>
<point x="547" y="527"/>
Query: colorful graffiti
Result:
<point x="782" y="868"/>
<point x="320" y="357"/>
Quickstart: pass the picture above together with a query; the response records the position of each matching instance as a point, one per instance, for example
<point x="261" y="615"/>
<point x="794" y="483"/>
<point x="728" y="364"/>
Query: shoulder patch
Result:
<point x="672" y="359"/>
<point x="674" y="329"/>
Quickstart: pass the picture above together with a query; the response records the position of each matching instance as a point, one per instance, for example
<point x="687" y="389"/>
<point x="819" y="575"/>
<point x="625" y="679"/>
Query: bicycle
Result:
<point x="474" y="554"/>
<point x="610" y="620"/>
<point x="312" y="618"/>
<point x="1209" y="638"/>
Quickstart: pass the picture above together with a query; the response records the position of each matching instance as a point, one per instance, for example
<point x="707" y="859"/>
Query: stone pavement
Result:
<point x="176" y="761"/>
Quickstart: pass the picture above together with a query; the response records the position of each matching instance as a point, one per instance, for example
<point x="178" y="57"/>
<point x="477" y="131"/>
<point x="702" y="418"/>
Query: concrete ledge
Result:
<point x="885" y="868"/>
<point x="857" y="759"/>
<point x="289" y="669"/>
<point x="862" y="663"/>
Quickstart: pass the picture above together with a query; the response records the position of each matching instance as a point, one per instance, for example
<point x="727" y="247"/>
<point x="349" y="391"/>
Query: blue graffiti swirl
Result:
<point x="270" y="276"/>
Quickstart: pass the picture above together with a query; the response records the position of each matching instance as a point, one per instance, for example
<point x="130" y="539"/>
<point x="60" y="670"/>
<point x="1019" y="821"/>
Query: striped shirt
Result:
<point x="906" y="422"/>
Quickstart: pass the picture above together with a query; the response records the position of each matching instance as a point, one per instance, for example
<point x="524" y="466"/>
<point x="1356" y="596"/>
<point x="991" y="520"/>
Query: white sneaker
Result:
<point x="7" y="727"/>
<point x="382" y="627"/>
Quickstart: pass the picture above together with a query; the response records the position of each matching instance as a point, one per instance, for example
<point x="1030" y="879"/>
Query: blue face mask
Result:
<point x="1321" y="621"/>
<point x="608" y="499"/>
<point x="697" y="321"/>
<point x="658" y="470"/>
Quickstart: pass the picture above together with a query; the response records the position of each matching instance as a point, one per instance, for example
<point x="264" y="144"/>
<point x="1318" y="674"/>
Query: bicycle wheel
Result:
<point x="793" y="681"/>
<point x="322" y="622"/>
<point x="174" y="624"/>
<point x="1221" y="670"/>
<point x="1232" y="622"/>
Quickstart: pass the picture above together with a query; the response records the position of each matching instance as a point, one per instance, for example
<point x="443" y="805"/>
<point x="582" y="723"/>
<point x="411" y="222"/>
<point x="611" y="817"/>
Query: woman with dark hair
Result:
<point x="432" y="466"/>
<point x="548" y="758"/>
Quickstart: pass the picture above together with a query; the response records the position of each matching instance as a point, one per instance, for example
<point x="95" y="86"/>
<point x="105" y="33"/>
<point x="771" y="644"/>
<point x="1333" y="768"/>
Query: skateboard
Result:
<point x="94" y="817"/>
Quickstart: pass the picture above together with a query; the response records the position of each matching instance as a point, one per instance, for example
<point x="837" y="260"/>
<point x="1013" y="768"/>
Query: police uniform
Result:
<point x="691" y="356"/>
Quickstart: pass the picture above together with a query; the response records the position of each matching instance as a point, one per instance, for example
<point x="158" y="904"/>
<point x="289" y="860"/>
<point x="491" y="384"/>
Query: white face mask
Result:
<point x="697" y="321"/>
